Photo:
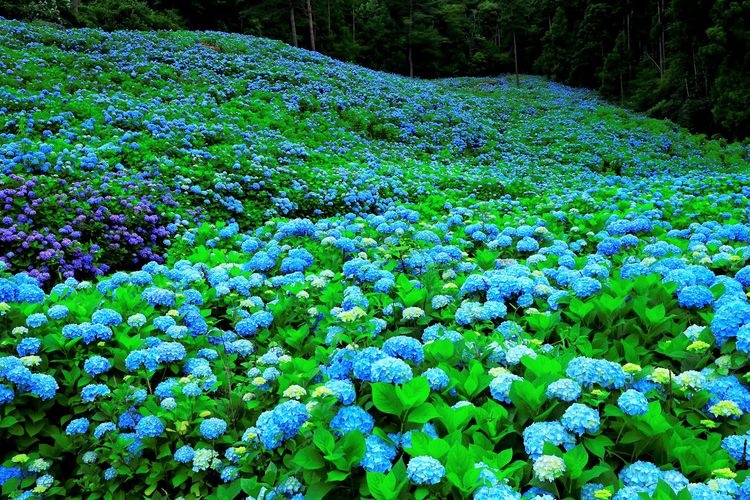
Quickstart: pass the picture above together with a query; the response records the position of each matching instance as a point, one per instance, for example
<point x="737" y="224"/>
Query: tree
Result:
<point x="310" y="24"/>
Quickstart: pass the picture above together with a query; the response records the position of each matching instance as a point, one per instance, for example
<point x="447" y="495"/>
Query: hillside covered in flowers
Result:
<point x="230" y="268"/>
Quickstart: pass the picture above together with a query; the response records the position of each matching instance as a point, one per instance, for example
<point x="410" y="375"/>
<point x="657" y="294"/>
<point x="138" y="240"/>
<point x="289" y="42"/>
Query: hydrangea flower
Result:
<point x="697" y="297"/>
<point x="77" y="426"/>
<point x="149" y="426"/>
<point x="36" y="320"/>
<point x="184" y="454"/>
<point x="390" y="370"/>
<point x="212" y="428"/>
<point x="633" y="403"/>
<point x="548" y="467"/>
<point x="425" y="470"/>
<point x="96" y="365"/>
<point x="641" y="475"/>
<point x="500" y="386"/>
<point x="437" y="378"/>
<point x="579" y="419"/>
<point x="564" y="389"/>
<point x="536" y="434"/>
<point x="93" y="391"/>
<point x="406" y="348"/>
<point x="379" y="455"/>
<point x="350" y="418"/>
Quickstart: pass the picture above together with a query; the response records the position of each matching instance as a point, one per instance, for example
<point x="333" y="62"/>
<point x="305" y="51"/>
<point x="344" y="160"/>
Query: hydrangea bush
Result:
<point x="380" y="331"/>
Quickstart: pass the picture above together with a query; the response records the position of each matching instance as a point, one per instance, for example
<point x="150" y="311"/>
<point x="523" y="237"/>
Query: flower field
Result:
<point x="230" y="268"/>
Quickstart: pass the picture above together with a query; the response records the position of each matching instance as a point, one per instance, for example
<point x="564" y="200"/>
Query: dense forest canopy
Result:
<point x="686" y="60"/>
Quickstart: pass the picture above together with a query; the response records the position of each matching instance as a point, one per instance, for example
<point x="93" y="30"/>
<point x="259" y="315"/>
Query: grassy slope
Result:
<point x="282" y="131"/>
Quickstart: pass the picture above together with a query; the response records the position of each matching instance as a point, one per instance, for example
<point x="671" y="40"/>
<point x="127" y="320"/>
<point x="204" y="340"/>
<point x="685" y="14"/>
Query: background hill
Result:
<point x="680" y="59"/>
<point x="153" y="131"/>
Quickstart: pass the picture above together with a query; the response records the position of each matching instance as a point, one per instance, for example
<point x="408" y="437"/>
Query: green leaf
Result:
<point x="385" y="399"/>
<point x="593" y="473"/>
<point x="381" y="486"/>
<point x="421" y="414"/>
<point x="231" y="490"/>
<point x="271" y="473"/>
<point x="309" y="458"/>
<point x="598" y="445"/>
<point x="353" y="447"/>
<point x="655" y="314"/>
<point x="575" y="461"/>
<point x="8" y="421"/>
<point x="320" y="489"/>
<point x="324" y="440"/>
<point x="414" y="393"/>
<point x="579" y="309"/>
<point x="337" y="475"/>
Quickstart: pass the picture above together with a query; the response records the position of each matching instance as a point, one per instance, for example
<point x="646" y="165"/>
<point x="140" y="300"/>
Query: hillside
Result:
<point x="183" y="131"/>
<point x="233" y="268"/>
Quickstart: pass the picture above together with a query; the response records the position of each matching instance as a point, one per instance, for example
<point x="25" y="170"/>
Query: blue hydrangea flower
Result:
<point x="697" y="297"/>
<point x="500" y="386"/>
<point x="579" y="419"/>
<point x="379" y="455"/>
<point x="738" y="446"/>
<point x="406" y="348"/>
<point x="536" y="434"/>
<point x="28" y="346"/>
<point x="96" y="365"/>
<point x="184" y="454"/>
<point x="527" y="244"/>
<point x="425" y="470"/>
<point x="149" y="426"/>
<point x="212" y="428"/>
<point x="589" y="371"/>
<point x="93" y="391"/>
<point x="348" y="361"/>
<point x="350" y="418"/>
<point x="281" y="423"/>
<point x="107" y="317"/>
<point x="564" y="389"/>
<point x="585" y="287"/>
<point x="36" y="320"/>
<point x="343" y="390"/>
<point x="642" y="475"/>
<point x="58" y="311"/>
<point x="229" y="473"/>
<point x="158" y="297"/>
<point x="103" y="429"/>
<point x="390" y="370"/>
<point x="43" y="385"/>
<point x="633" y="403"/>
<point x="437" y="378"/>
<point x="6" y="394"/>
<point x="77" y="426"/>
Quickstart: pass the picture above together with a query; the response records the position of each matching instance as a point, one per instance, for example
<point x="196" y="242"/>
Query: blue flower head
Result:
<point x="579" y="419"/>
<point x="351" y="418"/>
<point x="425" y="470"/>
<point x="633" y="403"/>
<point x="379" y="455"/>
<point x="213" y="428"/>
<point x="149" y="426"/>
<point x="77" y="426"/>
<point x="390" y="370"/>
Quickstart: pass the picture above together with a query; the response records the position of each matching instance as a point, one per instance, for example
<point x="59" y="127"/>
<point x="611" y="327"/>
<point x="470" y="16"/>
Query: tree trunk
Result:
<point x="515" y="58"/>
<point x="311" y="25"/>
<point x="74" y="5"/>
<point x="293" y="24"/>
<point x="411" y="22"/>
<point x="328" y="5"/>
<point x="354" y="25"/>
